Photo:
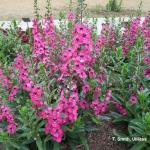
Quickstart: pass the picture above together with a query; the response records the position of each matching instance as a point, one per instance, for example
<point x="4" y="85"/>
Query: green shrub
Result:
<point x="114" y="5"/>
<point x="11" y="41"/>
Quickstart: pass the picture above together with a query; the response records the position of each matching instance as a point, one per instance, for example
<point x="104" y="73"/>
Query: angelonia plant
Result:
<point x="126" y="54"/>
<point x="47" y="92"/>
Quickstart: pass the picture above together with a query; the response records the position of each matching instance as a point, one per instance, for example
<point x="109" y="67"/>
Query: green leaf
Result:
<point x="138" y="146"/>
<point x="23" y="111"/>
<point x="15" y="145"/>
<point x="84" y="142"/>
<point x="90" y="128"/>
<point x="48" y="137"/>
<point x="39" y="143"/>
<point x="137" y="129"/>
<point x="73" y="146"/>
<point x="56" y="146"/>
<point x="119" y="134"/>
<point x="96" y="119"/>
<point x="24" y="148"/>
<point x="121" y="118"/>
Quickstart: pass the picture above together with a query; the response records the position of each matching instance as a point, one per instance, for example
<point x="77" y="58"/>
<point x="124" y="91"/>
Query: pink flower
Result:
<point x="66" y="56"/>
<point x="83" y="104"/>
<point x="129" y="35"/>
<point x="64" y="68"/>
<point x="11" y="128"/>
<point x="11" y="97"/>
<point x="121" y="109"/>
<point x="7" y="114"/>
<point x="14" y="90"/>
<point x="45" y="113"/>
<point x="57" y="136"/>
<point x="78" y="67"/>
<point x="98" y="107"/>
<point x="97" y="92"/>
<point x="99" y="44"/>
<point x="54" y="125"/>
<point x="70" y="16"/>
<point x="23" y="75"/>
<point x="147" y="60"/>
<point x="5" y="83"/>
<point x="28" y="85"/>
<point x="133" y="99"/>
<point x="92" y="73"/>
<point x="18" y="64"/>
<point x="73" y="98"/>
<point x="36" y="95"/>
<point x="86" y="88"/>
<point x="147" y="72"/>
<point x="82" y="75"/>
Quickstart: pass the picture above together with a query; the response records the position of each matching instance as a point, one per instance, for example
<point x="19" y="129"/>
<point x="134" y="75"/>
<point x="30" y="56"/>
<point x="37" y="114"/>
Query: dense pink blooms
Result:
<point x="65" y="66"/>
<point x="53" y="125"/>
<point x="18" y="63"/>
<point x="146" y="36"/>
<point x="121" y="109"/>
<point x="39" y="49"/>
<point x="130" y="34"/>
<point x="5" y="113"/>
<point x="99" y="44"/>
<point x="83" y="104"/>
<point x="49" y="32"/>
<point x="100" y="107"/>
<point x="65" y="112"/>
<point x="13" y="93"/>
<point x="36" y="95"/>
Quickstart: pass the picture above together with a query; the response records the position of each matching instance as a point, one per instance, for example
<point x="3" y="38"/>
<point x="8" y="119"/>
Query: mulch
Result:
<point x="102" y="139"/>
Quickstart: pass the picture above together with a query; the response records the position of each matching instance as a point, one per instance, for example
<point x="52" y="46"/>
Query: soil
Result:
<point x="18" y="9"/>
<point x="102" y="139"/>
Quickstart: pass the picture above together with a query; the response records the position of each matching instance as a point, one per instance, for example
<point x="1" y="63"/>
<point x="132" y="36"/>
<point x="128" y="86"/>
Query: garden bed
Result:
<point x="75" y="83"/>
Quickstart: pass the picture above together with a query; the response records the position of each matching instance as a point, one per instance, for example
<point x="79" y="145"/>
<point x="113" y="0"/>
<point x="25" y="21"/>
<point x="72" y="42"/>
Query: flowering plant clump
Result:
<point x="55" y="87"/>
<point x="127" y="61"/>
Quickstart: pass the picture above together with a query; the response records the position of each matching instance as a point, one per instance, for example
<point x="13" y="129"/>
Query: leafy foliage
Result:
<point x="114" y="5"/>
